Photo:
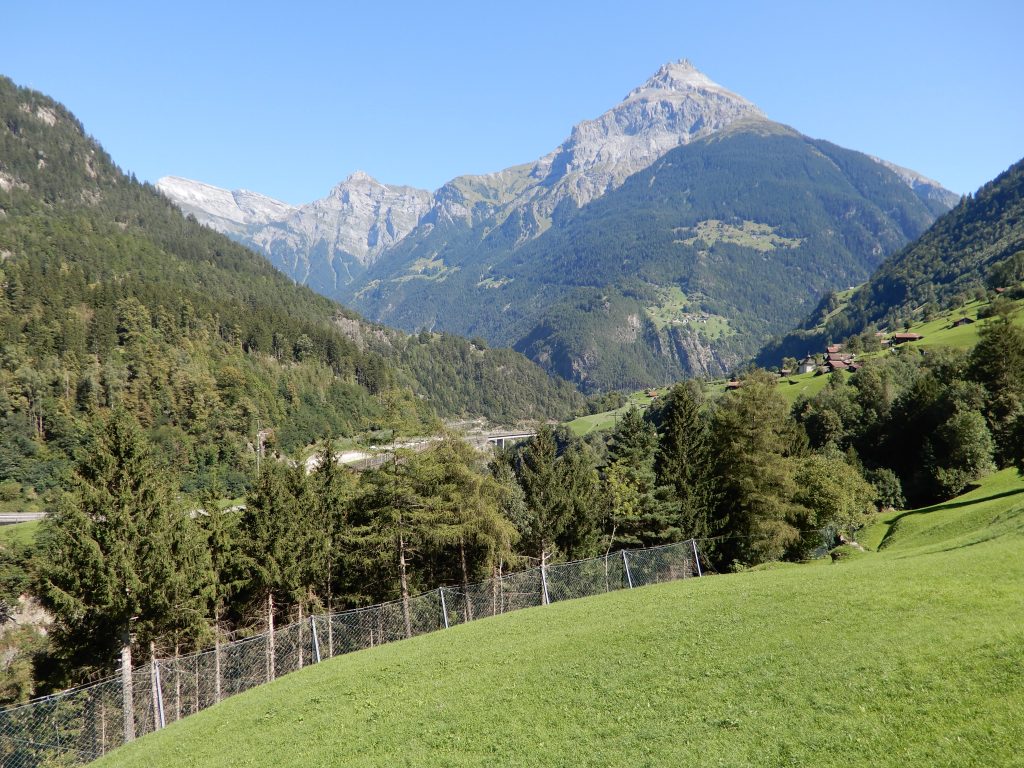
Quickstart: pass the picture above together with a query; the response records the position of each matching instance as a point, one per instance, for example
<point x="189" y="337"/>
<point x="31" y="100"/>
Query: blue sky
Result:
<point x="289" y="98"/>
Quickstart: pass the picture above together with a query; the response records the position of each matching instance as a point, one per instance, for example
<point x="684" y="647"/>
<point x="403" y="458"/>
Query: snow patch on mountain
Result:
<point x="232" y="212"/>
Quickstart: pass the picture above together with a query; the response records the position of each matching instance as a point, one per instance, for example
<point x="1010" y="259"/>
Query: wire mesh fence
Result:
<point x="83" y="724"/>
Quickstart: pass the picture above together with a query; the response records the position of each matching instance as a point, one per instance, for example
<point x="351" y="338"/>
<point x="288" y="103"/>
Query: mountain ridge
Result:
<point x="476" y="228"/>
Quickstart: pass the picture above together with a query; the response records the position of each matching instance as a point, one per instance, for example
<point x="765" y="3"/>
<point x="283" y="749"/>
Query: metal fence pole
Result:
<point x="127" y="697"/>
<point x="316" y="642"/>
<point x="158" y="709"/>
<point x="625" y="564"/>
<point x="444" y="608"/>
<point x="696" y="557"/>
<point x="545" y="598"/>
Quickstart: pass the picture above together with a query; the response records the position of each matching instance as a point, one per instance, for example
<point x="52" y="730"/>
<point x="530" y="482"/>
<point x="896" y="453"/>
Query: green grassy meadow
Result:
<point x="909" y="656"/>
<point x="19" y="533"/>
<point x="597" y="422"/>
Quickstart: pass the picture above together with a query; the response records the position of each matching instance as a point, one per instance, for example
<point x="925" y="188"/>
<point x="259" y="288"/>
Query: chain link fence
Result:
<point x="80" y="725"/>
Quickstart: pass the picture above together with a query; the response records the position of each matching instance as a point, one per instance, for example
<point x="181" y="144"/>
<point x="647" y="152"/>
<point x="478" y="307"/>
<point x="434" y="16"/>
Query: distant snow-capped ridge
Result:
<point x="222" y="209"/>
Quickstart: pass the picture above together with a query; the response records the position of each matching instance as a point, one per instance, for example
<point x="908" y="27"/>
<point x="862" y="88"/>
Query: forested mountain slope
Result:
<point x="978" y="244"/>
<point x="111" y="297"/>
<point x="684" y="269"/>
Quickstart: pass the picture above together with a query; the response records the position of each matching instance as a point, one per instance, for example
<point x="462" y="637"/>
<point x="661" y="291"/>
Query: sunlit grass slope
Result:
<point x="19" y="533"/>
<point x="911" y="656"/>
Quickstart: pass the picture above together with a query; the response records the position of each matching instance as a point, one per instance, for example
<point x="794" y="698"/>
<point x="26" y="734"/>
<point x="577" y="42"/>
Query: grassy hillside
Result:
<point x="905" y="657"/>
<point x="19" y="533"/>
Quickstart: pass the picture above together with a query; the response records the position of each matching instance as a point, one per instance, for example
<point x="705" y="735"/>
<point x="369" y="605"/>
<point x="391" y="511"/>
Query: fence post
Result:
<point x="153" y="688"/>
<point x="696" y="557"/>
<point x="625" y="564"/>
<point x="545" y="598"/>
<point x="160" y="693"/>
<point x="216" y="664"/>
<point x="299" y="630"/>
<point x="127" y="688"/>
<point x="270" y="638"/>
<point x="444" y="608"/>
<point x="316" y="642"/>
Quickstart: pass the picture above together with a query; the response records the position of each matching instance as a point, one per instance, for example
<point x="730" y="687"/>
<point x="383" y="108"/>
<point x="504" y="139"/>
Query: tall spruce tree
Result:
<point x="547" y="511"/>
<point x="758" y="448"/>
<point x="332" y="491"/>
<point x="629" y="480"/>
<point x="398" y="518"/>
<point x="274" y="548"/>
<point x="119" y="562"/>
<point x="580" y="488"/>
<point x="683" y="463"/>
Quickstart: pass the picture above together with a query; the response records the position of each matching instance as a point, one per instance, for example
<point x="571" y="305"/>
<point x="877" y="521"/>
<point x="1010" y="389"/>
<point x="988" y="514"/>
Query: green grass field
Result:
<point x="910" y="656"/>
<point x="597" y="422"/>
<point x="19" y="533"/>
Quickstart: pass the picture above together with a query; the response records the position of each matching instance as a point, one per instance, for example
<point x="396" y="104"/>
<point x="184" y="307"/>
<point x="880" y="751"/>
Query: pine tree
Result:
<point x="547" y="507"/>
<point x="273" y="547"/>
<point x="399" y="518"/>
<point x="332" y="491"/>
<point x="580" y="488"/>
<point x="471" y="519"/>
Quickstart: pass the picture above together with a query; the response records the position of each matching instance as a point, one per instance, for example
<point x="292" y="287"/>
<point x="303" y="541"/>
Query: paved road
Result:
<point x="8" y="518"/>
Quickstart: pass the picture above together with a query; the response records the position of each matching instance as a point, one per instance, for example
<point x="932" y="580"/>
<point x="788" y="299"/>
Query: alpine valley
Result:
<point x="110" y="299"/>
<point x="670" y="236"/>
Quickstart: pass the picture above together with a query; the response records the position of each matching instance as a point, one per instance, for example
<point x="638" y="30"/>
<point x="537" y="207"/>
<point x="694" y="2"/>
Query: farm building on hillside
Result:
<point x="903" y="338"/>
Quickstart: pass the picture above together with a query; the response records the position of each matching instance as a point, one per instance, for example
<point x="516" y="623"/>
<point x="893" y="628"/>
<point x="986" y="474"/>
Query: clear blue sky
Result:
<point x="289" y="98"/>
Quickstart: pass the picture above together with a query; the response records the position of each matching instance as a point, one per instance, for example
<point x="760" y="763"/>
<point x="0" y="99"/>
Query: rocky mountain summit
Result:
<point x="676" y="105"/>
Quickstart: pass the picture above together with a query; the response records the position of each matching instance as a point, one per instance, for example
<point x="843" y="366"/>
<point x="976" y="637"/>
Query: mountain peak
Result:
<point x="360" y="177"/>
<point x="681" y="78"/>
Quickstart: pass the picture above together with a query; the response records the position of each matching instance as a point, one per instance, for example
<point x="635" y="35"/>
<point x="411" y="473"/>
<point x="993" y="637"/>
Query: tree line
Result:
<point x="126" y="555"/>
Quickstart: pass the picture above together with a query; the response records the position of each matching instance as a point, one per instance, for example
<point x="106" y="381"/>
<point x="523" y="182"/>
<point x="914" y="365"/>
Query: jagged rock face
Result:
<point x="357" y="221"/>
<point x="322" y="243"/>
